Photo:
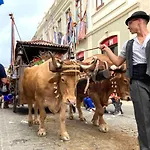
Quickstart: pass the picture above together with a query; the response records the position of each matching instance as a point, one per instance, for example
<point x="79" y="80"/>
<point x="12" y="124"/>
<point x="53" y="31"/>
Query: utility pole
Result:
<point x="12" y="41"/>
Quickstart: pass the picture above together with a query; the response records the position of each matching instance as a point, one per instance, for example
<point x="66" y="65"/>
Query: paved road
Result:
<point x="16" y="135"/>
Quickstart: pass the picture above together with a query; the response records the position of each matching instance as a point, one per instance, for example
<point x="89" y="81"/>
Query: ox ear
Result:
<point x="54" y="78"/>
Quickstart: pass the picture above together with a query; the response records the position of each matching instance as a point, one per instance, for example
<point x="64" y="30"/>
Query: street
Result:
<point x="17" y="135"/>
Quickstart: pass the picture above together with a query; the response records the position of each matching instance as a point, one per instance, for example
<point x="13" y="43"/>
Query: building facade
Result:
<point x="86" y="23"/>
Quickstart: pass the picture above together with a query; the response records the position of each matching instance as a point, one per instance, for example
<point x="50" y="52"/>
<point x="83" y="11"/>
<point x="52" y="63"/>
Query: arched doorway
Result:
<point x="112" y="43"/>
<point x="80" y="56"/>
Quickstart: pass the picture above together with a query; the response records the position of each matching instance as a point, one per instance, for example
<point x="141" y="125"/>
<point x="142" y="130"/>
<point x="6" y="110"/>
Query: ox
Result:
<point x="100" y="91"/>
<point x="50" y="84"/>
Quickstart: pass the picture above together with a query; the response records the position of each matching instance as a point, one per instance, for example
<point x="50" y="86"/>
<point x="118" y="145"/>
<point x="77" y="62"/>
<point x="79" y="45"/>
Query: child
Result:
<point x="115" y="100"/>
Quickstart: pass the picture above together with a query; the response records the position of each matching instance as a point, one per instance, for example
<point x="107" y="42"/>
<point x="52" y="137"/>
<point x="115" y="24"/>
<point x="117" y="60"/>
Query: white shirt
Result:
<point x="139" y="55"/>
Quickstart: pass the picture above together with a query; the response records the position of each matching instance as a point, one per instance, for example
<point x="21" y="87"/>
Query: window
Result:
<point x="112" y="43"/>
<point x="99" y="3"/>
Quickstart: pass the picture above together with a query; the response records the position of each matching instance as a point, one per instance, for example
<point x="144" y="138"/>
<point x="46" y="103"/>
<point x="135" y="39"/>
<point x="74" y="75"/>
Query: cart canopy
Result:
<point x="31" y="49"/>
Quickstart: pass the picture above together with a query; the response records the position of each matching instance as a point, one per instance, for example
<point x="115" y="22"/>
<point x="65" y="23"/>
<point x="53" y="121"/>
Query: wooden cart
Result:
<point x="26" y="52"/>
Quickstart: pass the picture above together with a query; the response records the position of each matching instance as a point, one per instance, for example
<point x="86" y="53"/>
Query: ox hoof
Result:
<point x="82" y="119"/>
<point x="36" y="122"/>
<point x="103" y="128"/>
<point x="71" y="117"/>
<point x="41" y="132"/>
<point x="95" y="122"/>
<point x="65" y="137"/>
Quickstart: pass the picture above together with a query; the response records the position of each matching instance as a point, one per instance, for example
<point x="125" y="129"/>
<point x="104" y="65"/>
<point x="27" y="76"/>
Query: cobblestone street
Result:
<point x="17" y="135"/>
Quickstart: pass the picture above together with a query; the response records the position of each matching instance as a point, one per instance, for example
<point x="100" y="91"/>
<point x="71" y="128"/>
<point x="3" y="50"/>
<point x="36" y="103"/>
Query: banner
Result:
<point x="1" y="2"/>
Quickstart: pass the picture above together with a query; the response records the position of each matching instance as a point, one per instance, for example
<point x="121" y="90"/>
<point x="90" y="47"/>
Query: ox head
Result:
<point x="120" y="83"/>
<point x="66" y="76"/>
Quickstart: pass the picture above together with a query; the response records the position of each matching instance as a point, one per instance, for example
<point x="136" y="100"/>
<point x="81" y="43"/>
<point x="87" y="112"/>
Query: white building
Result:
<point x="105" y="23"/>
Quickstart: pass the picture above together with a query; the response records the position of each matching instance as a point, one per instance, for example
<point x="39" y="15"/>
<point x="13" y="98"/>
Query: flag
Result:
<point x="1" y="2"/>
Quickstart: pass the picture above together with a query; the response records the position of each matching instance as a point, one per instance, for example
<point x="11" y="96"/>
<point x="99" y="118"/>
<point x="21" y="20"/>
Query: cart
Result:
<point x="27" y="54"/>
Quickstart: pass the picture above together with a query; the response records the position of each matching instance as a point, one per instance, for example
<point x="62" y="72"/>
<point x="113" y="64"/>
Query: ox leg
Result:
<point x="63" y="132"/>
<point x="40" y="105"/>
<point x="96" y="102"/>
<point x="79" y="110"/>
<point x="99" y="112"/>
<point x="95" y="118"/>
<point x="35" y="121"/>
<point x="103" y="126"/>
<point x="30" y="118"/>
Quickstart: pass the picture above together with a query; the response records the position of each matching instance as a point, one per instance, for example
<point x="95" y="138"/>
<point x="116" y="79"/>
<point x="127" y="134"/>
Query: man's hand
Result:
<point x="103" y="47"/>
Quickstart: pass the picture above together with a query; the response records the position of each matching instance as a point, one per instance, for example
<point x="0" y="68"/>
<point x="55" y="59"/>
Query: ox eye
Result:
<point x="62" y="79"/>
<point x="125" y="81"/>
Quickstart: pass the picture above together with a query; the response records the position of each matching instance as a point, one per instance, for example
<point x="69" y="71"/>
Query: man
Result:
<point x="3" y="82"/>
<point x="136" y="52"/>
<point x="3" y="76"/>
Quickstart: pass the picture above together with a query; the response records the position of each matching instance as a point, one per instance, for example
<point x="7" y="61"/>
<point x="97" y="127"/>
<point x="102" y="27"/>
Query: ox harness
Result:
<point x="68" y="69"/>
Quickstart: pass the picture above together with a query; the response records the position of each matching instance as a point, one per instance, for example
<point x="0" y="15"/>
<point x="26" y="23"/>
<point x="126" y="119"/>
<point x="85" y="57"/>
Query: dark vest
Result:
<point x="129" y="58"/>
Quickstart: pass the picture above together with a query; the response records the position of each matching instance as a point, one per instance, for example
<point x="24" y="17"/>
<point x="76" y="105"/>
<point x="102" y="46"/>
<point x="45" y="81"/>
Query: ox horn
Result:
<point x="93" y="62"/>
<point x="123" y="67"/>
<point x="106" y="65"/>
<point x="56" y="64"/>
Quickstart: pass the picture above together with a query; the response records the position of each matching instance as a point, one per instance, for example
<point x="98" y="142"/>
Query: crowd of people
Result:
<point x="113" y="99"/>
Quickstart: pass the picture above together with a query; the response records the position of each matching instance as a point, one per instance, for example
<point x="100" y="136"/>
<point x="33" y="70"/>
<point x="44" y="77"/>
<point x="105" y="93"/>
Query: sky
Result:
<point x="27" y="14"/>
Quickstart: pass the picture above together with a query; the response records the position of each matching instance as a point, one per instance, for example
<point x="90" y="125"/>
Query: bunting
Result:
<point x="81" y="19"/>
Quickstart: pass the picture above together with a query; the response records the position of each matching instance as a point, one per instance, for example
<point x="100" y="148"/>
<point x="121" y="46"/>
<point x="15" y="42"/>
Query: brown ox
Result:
<point x="50" y="84"/>
<point x="100" y="91"/>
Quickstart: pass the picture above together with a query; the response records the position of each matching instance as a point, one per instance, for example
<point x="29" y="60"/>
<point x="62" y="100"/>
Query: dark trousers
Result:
<point x="140" y="95"/>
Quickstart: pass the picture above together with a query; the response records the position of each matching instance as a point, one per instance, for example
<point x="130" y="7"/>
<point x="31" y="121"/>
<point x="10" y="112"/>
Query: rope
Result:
<point x="87" y="84"/>
<point x="12" y="18"/>
<point x="87" y="49"/>
<point x="21" y="40"/>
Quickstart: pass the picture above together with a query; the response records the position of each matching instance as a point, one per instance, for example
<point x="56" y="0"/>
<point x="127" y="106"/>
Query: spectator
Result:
<point x="3" y="76"/>
<point x="89" y="105"/>
<point x="4" y="85"/>
<point x="115" y="100"/>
